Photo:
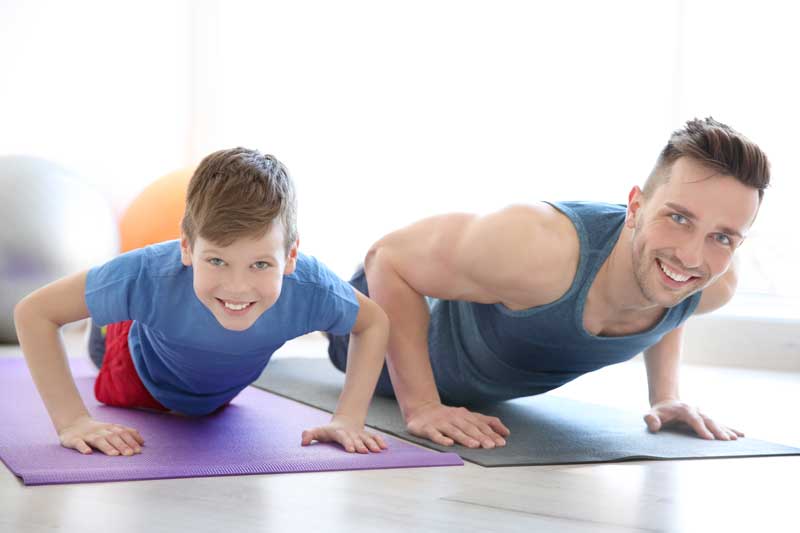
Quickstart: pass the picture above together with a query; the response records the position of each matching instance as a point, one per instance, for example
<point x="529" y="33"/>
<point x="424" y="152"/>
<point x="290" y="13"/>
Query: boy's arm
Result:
<point x="662" y="361"/>
<point x="365" y="358"/>
<point x="507" y="257"/>
<point x="38" y="318"/>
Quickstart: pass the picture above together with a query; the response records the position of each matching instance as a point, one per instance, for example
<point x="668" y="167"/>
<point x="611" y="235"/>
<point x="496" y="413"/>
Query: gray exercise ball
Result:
<point x="51" y="225"/>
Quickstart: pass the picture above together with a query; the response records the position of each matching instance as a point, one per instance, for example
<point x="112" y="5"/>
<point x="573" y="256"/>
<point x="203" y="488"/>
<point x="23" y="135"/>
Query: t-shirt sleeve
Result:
<point x="335" y="306"/>
<point x="115" y="290"/>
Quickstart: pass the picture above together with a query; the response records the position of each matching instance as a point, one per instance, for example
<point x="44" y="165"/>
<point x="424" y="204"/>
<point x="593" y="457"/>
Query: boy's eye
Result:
<point x="680" y="219"/>
<point x="216" y="261"/>
<point x="261" y="265"/>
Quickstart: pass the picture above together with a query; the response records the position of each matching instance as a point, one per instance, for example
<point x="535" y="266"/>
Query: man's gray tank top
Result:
<point x="486" y="352"/>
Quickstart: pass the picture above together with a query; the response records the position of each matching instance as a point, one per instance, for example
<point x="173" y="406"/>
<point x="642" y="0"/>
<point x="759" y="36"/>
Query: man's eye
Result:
<point x="680" y="219"/>
<point x="216" y="261"/>
<point x="723" y="239"/>
<point x="261" y="265"/>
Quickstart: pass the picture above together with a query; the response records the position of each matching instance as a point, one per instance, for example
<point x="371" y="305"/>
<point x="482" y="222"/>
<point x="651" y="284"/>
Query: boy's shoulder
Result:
<point x="310" y="270"/>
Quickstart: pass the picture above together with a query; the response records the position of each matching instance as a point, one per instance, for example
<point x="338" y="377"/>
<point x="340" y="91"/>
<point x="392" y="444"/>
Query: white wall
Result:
<point x="389" y="111"/>
<point x="101" y="87"/>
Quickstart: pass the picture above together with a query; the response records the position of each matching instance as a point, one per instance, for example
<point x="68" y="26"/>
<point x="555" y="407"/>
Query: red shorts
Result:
<point x="118" y="383"/>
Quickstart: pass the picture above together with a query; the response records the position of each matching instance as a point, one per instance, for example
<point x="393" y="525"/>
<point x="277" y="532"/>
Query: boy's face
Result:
<point x="237" y="283"/>
<point x="686" y="233"/>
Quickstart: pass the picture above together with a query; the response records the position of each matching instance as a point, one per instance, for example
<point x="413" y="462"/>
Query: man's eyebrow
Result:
<point x="688" y="214"/>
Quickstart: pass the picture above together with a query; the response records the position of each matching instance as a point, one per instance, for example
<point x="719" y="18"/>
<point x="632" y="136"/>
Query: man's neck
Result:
<point x="615" y="287"/>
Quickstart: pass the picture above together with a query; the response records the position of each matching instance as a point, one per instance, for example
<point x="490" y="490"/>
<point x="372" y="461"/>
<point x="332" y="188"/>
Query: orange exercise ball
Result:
<point x="155" y="214"/>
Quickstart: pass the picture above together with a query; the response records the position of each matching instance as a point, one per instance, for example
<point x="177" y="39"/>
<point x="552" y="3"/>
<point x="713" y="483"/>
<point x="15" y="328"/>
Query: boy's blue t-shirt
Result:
<point x="184" y="357"/>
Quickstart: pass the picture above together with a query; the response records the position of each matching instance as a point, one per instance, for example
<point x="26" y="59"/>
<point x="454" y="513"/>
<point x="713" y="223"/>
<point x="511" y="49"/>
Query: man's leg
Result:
<point x="338" y="344"/>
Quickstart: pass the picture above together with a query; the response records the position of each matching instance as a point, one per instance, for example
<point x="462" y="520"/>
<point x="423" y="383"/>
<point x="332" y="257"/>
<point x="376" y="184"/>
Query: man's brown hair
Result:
<point x="717" y="146"/>
<point x="238" y="193"/>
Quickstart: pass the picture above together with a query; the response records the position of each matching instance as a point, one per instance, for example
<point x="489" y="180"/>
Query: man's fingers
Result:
<point x="653" y="422"/>
<point x="455" y="433"/>
<point x="436" y="436"/>
<point x="719" y="432"/>
<point x="496" y="425"/>
<point x="473" y="430"/>
<point x="698" y="425"/>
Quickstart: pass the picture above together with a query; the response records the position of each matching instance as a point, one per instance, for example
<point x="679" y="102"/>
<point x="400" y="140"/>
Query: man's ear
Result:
<point x="635" y="200"/>
<point x="186" y="251"/>
<point x="291" y="258"/>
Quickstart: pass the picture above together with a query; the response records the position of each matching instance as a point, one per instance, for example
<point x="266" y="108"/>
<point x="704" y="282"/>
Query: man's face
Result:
<point x="237" y="283"/>
<point x="685" y="234"/>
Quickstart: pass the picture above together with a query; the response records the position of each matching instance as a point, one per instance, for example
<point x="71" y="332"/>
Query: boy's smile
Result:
<point x="239" y="282"/>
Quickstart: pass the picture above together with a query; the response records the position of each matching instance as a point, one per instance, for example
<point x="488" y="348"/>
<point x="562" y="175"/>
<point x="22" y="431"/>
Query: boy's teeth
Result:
<point x="236" y="307"/>
<point x="671" y="274"/>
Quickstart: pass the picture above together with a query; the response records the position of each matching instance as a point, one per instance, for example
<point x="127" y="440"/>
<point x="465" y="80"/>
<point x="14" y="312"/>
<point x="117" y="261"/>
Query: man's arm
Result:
<point x="662" y="361"/>
<point x="365" y="358"/>
<point x="38" y="318"/>
<point x="486" y="259"/>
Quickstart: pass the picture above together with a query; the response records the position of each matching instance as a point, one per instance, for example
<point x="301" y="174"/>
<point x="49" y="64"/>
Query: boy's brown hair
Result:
<point x="238" y="193"/>
<point x="717" y="146"/>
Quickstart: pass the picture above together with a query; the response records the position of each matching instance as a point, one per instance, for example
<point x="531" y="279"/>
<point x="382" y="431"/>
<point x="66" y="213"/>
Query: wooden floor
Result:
<point x="752" y="494"/>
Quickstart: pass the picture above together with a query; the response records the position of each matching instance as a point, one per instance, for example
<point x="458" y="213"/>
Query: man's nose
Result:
<point x="690" y="252"/>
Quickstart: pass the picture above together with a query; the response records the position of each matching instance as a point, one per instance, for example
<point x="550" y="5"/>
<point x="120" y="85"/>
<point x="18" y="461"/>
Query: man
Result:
<point x="528" y="298"/>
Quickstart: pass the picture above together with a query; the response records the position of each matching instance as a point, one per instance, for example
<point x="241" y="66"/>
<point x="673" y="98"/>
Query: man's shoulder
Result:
<point x="544" y="253"/>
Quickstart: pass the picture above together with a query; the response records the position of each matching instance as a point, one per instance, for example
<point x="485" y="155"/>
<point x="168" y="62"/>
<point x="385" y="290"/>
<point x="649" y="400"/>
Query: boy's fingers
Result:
<point x="131" y="442"/>
<point x="117" y="442"/>
<point x="346" y="442"/>
<point x="103" y="445"/>
<point x="360" y="446"/>
<point x="133" y="433"/>
<point x="371" y="443"/>
<point x="381" y="442"/>
<point x="309" y="435"/>
<point x="81" y="446"/>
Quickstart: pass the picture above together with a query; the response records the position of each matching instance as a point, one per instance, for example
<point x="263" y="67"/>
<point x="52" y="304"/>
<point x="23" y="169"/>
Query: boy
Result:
<point x="193" y="322"/>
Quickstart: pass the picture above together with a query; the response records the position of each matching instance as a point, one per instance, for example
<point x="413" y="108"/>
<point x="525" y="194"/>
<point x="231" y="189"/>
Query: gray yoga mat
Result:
<point x="545" y="429"/>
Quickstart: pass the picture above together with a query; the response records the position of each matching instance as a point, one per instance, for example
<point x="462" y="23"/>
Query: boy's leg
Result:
<point x="96" y="344"/>
<point x="338" y="344"/>
<point x="118" y="383"/>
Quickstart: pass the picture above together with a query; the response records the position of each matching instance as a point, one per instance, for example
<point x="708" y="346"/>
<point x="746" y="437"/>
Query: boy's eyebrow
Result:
<point x="213" y="251"/>
<point x="688" y="214"/>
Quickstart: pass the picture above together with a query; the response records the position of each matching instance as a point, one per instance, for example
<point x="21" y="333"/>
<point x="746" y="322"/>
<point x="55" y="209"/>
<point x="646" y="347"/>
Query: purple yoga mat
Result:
<point x="258" y="433"/>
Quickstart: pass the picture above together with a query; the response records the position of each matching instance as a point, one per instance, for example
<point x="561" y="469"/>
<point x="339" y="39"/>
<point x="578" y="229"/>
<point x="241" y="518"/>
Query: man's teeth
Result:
<point x="673" y="275"/>
<point x="235" y="307"/>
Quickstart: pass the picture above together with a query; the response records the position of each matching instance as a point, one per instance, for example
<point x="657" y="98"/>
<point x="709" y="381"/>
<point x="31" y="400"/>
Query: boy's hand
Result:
<point x="669" y="412"/>
<point x="351" y="435"/>
<point x="112" y="439"/>
<point x="450" y="425"/>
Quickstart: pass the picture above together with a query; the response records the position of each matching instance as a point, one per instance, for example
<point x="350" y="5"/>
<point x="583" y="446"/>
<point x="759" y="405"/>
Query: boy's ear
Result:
<point x="291" y="258"/>
<point x="186" y="251"/>
<point x="635" y="199"/>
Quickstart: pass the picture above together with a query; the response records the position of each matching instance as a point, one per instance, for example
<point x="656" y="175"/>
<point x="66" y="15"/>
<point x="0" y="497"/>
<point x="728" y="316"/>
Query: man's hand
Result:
<point x="85" y="433"/>
<point x="351" y="435"/>
<point x="456" y="425"/>
<point x="670" y="412"/>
